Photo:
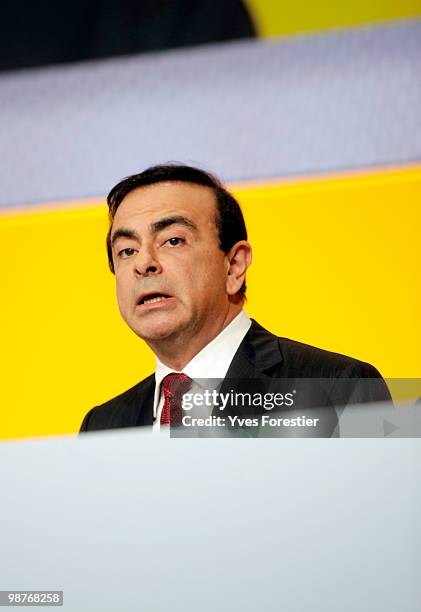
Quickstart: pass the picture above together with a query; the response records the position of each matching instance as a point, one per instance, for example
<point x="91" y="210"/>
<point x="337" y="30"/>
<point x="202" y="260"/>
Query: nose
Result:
<point x="146" y="262"/>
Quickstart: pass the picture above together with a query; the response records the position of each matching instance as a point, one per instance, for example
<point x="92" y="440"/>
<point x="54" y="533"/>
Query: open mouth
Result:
<point x="152" y="298"/>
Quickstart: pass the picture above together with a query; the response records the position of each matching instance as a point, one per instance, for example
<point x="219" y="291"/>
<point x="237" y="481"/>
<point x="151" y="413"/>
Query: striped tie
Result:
<point x="174" y="386"/>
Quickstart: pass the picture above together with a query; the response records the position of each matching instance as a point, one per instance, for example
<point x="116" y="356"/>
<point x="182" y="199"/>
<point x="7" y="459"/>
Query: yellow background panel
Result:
<point x="336" y="264"/>
<point x="275" y="18"/>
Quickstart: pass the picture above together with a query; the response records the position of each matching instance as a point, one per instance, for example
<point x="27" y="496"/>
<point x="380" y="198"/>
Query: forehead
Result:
<point x="149" y="203"/>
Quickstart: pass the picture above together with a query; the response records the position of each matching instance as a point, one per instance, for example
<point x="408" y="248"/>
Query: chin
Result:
<point x="153" y="332"/>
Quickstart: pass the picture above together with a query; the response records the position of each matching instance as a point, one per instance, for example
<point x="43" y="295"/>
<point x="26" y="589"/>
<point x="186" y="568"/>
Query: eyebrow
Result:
<point x="123" y="232"/>
<point x="155" y="227"/>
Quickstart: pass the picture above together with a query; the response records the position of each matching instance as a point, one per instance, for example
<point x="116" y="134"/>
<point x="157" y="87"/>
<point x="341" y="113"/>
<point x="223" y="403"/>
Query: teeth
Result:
<point x="152" y="300"/>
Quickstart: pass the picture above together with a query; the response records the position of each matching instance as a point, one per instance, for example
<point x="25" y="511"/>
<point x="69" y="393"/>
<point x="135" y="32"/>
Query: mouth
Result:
<point x="149" y="299"/>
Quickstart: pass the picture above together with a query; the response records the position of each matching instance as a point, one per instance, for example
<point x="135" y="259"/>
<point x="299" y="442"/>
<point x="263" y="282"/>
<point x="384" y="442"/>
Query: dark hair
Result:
<point x="229" y="219"/>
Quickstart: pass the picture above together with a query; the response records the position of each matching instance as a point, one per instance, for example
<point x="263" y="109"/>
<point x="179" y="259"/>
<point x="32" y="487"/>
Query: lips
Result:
<point x="152" y="297"/>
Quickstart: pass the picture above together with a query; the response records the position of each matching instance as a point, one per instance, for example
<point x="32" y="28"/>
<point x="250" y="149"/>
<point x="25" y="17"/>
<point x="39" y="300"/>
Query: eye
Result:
<point x="124" y="253"/>
<point x="175" y="241"/>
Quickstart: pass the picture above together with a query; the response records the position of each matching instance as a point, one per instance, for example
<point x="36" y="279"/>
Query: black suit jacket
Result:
<point x="325" y="381"/>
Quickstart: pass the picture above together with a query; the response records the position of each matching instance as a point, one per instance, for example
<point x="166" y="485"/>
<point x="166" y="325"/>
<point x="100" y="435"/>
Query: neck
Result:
<point x="177" y="352"/>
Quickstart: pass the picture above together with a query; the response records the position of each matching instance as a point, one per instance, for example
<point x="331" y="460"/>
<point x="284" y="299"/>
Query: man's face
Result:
<point x="171" y="275"/>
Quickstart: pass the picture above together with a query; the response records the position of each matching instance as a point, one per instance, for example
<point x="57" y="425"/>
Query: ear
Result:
<point x="238" y="260"/>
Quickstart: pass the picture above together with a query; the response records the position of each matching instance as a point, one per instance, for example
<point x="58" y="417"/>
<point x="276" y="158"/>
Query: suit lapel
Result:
<point x="257" y="355"/>
<point x="135" y="407"/>
<point x="144" y="402"/>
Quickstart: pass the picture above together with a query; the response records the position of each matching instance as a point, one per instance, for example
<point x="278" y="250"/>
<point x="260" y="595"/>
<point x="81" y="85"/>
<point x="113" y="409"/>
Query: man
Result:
<point x="177" y="244"/>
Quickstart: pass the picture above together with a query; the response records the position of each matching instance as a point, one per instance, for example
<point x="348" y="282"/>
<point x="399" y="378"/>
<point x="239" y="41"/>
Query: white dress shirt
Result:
<point x="212" y="362"/>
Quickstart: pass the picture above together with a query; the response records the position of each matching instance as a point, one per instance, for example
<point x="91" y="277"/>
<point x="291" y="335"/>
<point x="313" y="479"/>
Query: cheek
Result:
<point x="208" y="280"/>
<point x="122" y="292"/>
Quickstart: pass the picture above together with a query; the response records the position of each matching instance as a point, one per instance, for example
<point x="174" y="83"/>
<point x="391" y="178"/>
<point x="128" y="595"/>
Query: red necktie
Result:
<point x="174" y="386"/>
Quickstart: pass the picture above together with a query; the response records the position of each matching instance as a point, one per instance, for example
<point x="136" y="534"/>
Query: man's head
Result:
<point x="177" y="237"/>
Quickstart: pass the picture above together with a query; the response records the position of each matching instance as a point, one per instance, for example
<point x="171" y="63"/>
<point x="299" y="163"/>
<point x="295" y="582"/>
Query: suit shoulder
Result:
<point x="306" y="360"/>
<point x="103" y="415"/>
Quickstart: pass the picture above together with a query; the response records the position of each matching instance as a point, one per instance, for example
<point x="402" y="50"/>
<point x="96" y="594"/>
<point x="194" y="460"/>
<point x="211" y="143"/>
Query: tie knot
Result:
<point x="175" y="385"/>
